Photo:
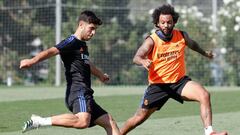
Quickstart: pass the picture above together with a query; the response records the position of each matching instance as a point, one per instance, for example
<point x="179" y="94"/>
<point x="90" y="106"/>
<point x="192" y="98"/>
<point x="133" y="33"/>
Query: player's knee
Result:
<point x="205" y="96"/>
<point x="110" y="117"/>
<point x="81" y="124"/>
<point x="111" y="122"/>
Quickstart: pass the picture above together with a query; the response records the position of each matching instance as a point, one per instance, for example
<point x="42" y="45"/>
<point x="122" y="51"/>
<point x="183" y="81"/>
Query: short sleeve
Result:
<point x="65" y="44"/>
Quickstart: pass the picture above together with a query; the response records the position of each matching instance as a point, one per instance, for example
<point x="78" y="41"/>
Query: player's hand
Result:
<point x="26" y="63"/>
<point x="209" y="54"/>
<point x="146" y="63"/>
<point x="105" y="78"/>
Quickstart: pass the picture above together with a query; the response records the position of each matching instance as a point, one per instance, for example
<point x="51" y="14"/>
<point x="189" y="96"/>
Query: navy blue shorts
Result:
<point x="156" y="95"/>
<point x="82" y="100"/>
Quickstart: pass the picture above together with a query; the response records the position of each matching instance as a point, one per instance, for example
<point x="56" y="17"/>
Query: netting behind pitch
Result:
<point x="28" y="27"/>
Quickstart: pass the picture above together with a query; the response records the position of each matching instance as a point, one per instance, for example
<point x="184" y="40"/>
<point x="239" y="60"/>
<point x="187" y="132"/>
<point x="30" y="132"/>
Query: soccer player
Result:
<point x="162" y="54"/>
<point x="78" y="68"/>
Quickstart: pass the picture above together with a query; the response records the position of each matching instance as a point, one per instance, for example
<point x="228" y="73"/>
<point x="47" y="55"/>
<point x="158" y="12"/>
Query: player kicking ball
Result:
<point x="162" y="54"/>
<point x="78" y="69"/>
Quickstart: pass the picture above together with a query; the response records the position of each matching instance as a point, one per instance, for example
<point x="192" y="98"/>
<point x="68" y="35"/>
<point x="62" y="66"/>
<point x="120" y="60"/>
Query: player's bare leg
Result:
<point x="109" y="124"/>
<point x="80" y="120"/>
<point x="139" y="117"/>
<point x="193" y="91"/>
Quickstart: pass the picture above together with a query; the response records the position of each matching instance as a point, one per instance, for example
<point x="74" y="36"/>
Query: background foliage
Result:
<point x="28" y="26"/>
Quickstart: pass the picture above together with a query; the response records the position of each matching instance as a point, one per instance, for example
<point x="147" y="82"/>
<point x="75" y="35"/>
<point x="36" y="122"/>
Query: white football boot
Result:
<point x="31" y="124"/>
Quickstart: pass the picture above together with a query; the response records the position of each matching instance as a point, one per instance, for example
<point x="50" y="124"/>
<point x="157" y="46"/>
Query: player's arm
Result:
<point x="98" y="73"/>
<point x="195" y="46"/>
<point x="140" y="57"/>
<point x="26" y="63"/>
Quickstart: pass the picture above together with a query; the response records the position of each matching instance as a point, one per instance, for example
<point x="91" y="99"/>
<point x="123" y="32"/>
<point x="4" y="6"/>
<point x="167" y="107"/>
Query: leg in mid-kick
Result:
<point x="193" y="91"/>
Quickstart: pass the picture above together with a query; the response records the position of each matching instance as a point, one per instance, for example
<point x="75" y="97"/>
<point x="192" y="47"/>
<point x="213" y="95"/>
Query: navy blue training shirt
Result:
<point x="74" y="54"/>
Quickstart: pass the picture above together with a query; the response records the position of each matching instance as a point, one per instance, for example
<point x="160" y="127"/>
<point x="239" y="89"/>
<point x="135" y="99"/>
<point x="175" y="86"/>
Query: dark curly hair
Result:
<point x="90" y="17"/>
<point x="164" y="9"/>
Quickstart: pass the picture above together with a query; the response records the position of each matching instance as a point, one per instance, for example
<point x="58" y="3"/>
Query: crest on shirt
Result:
<point x="81" y="49"/>
<point x="145" y="102"/>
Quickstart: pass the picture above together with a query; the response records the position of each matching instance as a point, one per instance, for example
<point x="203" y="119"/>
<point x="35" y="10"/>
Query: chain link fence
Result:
<point x="28" y="27"/>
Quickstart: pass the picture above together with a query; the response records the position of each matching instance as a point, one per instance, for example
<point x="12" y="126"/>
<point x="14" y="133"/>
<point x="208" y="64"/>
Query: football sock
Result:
<point x="208" y="130"/>
<point x="46" y="121"/>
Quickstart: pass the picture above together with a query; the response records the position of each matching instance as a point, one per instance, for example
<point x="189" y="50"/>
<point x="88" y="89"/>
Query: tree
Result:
<point x="22" y="23"/>
<point x="191" y="21"/>
<point x="229" y="38"/>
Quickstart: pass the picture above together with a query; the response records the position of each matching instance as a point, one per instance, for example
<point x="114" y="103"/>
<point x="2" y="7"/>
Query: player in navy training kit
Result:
<point x="78" y="69"/>
<point x="74" y="55"/>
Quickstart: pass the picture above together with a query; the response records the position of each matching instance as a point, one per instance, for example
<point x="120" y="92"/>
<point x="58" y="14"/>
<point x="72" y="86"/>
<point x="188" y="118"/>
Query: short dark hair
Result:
<point x="89" y="17"/>
<point x="164" y="9"/>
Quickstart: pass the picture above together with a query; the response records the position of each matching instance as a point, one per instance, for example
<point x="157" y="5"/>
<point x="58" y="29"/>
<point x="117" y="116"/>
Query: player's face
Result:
<point x="88" y="30"/>
<point x="166" y="23"/>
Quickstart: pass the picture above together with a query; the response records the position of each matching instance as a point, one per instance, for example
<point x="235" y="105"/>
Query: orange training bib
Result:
<point x="167" y="58"/>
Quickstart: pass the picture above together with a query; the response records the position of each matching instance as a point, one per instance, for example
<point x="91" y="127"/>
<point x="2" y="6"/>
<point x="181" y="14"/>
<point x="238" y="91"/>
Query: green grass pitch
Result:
<point x="17" y="105"/>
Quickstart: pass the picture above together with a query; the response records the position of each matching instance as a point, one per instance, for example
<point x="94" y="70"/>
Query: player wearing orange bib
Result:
<point x="162" y="54"/>
<point x="167" y="58"/>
